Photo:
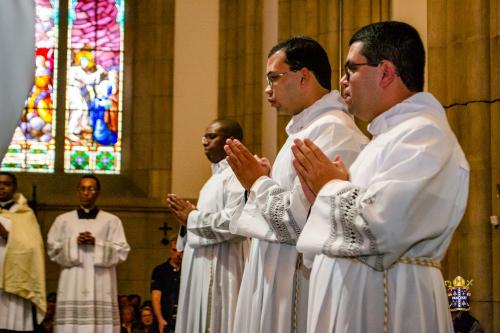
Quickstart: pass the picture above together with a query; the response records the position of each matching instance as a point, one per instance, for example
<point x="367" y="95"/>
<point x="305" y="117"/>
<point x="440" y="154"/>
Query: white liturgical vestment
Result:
<point x="16" y="311"/>
<point x="213" y="260"/>
<point x="87" y="290"/>
<point x="273" y="295"/>
<point x="383" y="232"/>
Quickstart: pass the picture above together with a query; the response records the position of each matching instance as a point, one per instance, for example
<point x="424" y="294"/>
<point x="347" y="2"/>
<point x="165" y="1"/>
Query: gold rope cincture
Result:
<point x="210" y="284"/>
<point x="409" y="261"/>
<point x="298" y="264"/>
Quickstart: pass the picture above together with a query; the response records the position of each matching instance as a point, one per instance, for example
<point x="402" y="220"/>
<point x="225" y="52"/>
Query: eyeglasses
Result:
<point x="272" y="77"/>
<point x="91" y="189"/>
<point x="351" y="67"/>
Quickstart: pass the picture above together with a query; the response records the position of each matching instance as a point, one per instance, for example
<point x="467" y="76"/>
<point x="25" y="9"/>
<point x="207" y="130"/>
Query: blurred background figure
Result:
<point x="146" y="324"/>
<point x="47" y="324"/>
<point x="165" y="280"/>
<point x="127" y="316"/>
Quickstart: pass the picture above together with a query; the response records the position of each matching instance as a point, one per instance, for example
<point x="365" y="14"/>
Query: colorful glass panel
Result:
<point x="93" y="87"/>
<point x="32" y="148"/>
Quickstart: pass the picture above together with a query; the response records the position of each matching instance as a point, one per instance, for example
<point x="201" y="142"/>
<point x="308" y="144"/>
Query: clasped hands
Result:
<point x="180" y="207"/>
<point x="314" y="168"/>
<point x="246" y="166"/>
<point x="85" y="238"/>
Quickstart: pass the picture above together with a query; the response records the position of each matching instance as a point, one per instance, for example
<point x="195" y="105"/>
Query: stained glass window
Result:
<point x="93" y="77"/>
<point x="32" y="147"/>
<point x="93" y="86"/>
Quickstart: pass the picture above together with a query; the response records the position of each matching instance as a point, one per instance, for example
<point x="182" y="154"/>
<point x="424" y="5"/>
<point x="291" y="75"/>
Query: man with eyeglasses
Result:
<point x="273" y="296"/>
<point x="88" y="243"/>
<point x="22" y="262"/>
<point x="213" y="260"/>
<point x="379" y="230"/>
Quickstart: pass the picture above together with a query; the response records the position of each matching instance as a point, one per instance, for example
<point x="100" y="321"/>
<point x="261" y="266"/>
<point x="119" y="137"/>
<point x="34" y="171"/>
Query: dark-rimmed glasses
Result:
<point x="272" y="77"/>
<point x="351" y="67"/>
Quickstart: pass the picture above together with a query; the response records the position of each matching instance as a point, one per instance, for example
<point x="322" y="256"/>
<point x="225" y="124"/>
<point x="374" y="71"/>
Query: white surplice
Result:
<point x="87" y="290"/>
<point x="213" y="260"/>
<point x="406" y="195"/>
<point x="273" y="295"/>
<point x="16" y="313"/>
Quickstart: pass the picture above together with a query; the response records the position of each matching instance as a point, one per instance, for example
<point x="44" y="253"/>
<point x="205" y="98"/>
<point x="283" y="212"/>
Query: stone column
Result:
<point x="240" y="67"/>
<point x="147" y="125"/>
<point x="463" y="75"/>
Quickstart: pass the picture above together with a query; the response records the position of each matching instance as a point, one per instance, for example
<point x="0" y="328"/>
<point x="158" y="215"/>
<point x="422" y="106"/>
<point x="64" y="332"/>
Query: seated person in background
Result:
<point x="135" y="301"/>
<point x="146" y="324"/>
<point x="122" y="301"/>
<point x="127" y="316"/>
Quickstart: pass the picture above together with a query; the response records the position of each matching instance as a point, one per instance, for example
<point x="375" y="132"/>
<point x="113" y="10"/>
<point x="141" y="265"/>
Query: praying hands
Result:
<point x="246" y="166"/>
<point x="314" y="168"/>
<point x="180" y="207"/>
<point x="86" y="238"/>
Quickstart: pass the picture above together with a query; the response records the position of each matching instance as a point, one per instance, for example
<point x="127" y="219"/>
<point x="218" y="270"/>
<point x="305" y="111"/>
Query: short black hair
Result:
<point x="302" y="51"/>
<point x="12" y="177"/>
<point x="94" y="177"/>
<point x="399" y="43"/>
<point x="230" y="128"/>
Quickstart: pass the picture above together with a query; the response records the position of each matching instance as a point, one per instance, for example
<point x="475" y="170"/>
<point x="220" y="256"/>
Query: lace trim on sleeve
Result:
<point x="280" y="217"/>
<point x="207" y="232"/>
<point x="347" y="238"/>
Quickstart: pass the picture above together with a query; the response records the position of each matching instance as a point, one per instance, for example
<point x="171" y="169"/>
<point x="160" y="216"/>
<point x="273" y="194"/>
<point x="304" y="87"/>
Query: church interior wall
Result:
<point x="174" y="73"/>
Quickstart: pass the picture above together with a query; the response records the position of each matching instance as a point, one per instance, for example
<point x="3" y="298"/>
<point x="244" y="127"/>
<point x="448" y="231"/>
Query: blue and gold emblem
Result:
<point x="458" y="294"/>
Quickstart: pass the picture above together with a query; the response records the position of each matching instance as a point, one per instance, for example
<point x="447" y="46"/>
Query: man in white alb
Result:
<point x="273" y="296"/>
<point x="213" y="260"/>
<point x="88" y="243"/>
<point x="378" y="230"/>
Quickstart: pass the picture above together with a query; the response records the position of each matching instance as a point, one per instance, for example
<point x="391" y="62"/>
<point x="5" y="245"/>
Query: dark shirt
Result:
<point x="167" y="281"/>
<point x="464" y="322"/>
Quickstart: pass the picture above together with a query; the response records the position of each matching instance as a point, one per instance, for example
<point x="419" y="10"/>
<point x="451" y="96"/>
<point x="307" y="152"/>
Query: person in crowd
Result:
<point x="165" y="280"/>
<point x="147" y="320"/>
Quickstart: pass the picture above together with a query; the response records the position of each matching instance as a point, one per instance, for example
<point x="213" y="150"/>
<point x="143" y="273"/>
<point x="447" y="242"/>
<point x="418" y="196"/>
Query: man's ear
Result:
<point x="305" y="75"/>
<point x="389" y="73"/>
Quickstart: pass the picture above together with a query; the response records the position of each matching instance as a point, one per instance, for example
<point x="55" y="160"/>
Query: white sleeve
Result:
<point x="114" y="249"/>
<point x="276" y="214"/>
<point x="272" y="213"/>
<point x="418" y="192"/>
<point x="61" y="248"/>
<point x="209" y="228"/>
